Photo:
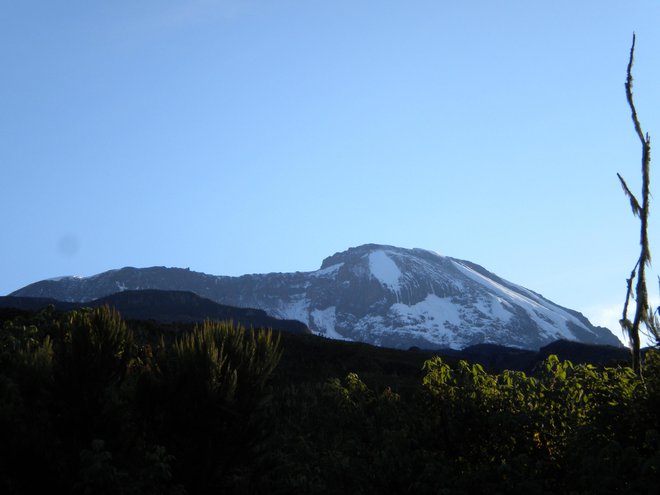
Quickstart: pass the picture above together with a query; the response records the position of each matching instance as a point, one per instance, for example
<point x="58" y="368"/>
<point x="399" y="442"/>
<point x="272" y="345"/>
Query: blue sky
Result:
<point x="238" y="137"/>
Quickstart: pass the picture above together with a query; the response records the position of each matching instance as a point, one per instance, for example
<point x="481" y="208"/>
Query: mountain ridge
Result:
<point x="373" y="293"/>
<point x="165" y="307"/>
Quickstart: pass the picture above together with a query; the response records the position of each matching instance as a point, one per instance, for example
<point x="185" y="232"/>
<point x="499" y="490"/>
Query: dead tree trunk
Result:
<point x="643" y="314"/>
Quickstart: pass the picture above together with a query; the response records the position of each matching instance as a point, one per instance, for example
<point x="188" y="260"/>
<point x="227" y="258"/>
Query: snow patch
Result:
<point x="325" y="321"/>
<point x="384" y="269"/>
<point x="432" y="309"/>
<point x="495" y="307"/>
<point x="297" y="309"/>
<point x="551" y="319"/>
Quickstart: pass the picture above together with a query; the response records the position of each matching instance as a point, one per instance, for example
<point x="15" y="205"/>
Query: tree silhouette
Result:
<point x="643" y="314"/>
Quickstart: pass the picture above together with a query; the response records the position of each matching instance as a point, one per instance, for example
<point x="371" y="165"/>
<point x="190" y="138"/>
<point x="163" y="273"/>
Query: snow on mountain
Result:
<point x="383" y="295"/>
<point x="551" y="319"/>
<point x="385" y="270"/>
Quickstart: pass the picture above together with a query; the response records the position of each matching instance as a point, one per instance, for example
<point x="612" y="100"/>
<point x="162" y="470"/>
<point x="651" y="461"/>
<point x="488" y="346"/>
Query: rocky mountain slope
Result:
<point x="382" y="295"/>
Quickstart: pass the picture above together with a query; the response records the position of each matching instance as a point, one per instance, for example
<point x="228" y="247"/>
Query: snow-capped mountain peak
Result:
<point x="372" y="293"/>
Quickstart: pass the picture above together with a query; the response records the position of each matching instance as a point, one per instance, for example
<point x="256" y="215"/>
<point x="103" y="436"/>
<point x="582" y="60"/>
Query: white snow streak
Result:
<point x="325" y="320"/>
<point x="550" y="318"/>
<point x="297" y="309"/>
<point x="385" y="270"/>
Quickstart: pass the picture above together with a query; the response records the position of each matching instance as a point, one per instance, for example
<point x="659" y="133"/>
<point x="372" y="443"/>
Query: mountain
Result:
<point x="383" y="295"/>
<point x="166" y="307"/>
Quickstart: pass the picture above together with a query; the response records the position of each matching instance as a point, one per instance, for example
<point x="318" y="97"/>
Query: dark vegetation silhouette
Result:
<point x="92" y="404"/>
<point x="644" y="315"/>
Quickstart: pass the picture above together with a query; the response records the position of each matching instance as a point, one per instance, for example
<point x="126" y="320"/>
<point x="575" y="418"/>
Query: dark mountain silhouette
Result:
<point x="166" y="307"/>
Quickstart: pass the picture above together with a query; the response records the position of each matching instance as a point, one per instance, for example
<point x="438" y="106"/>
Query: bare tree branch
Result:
<point x="634" y="204"/>
<point x="629" y="93"/>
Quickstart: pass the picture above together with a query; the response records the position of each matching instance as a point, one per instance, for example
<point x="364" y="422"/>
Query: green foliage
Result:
<point x="196" y="412"/>
<point x="216" y="367"/>
<point x="99" y="412"/>
<point x="200" y="397"/>
<point x="93" y="352"/>
<point x="554" y="421"/>
<point x="95" y="345"/>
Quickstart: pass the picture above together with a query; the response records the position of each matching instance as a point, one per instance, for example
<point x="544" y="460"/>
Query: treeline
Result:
<point x="90" y="404"/>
